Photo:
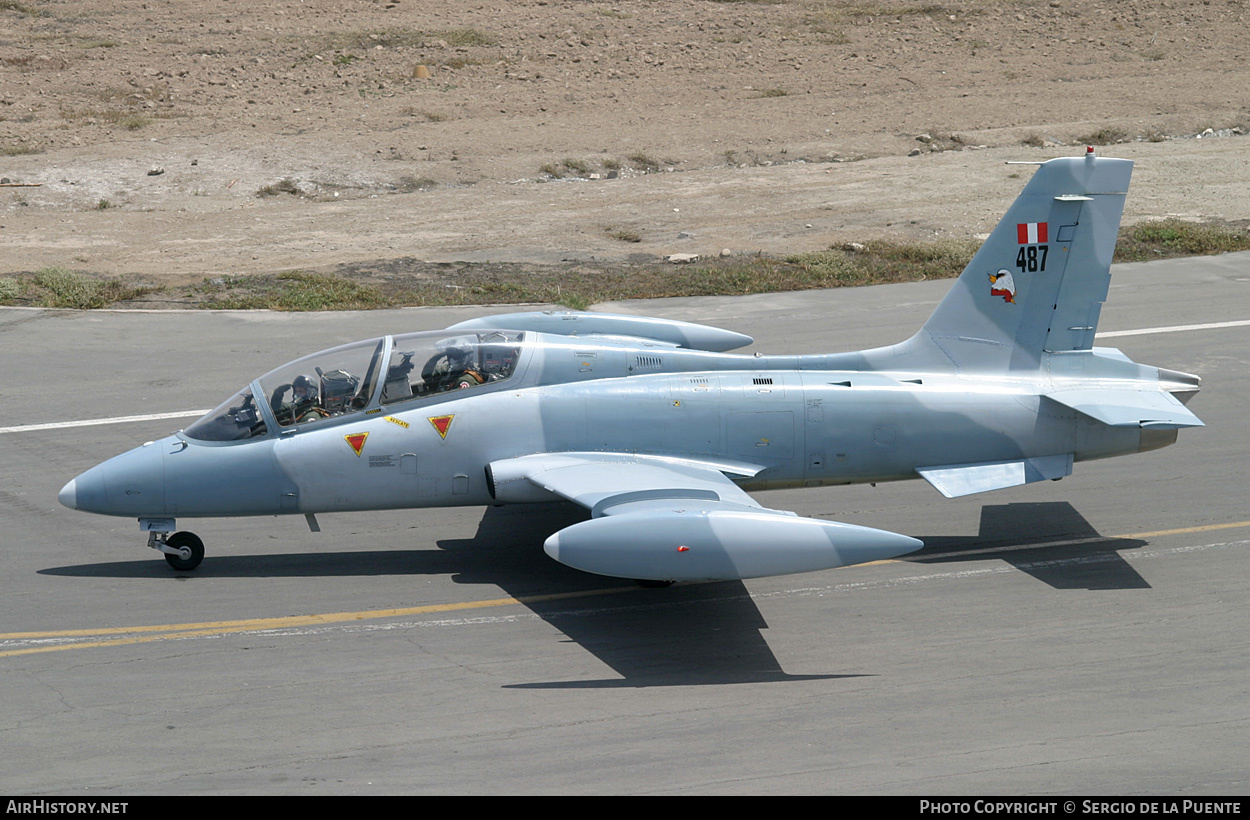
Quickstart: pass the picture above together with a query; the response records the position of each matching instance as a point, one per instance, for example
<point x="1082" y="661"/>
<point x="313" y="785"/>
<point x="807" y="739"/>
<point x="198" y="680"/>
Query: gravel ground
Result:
<point x="174" y="141"/>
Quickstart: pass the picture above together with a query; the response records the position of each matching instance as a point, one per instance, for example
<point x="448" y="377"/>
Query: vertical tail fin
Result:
<point x="1038" y="283"/>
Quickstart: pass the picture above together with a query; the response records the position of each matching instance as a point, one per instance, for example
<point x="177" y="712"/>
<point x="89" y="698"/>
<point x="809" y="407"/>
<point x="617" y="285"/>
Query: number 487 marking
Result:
<point x="1032" y="258"/>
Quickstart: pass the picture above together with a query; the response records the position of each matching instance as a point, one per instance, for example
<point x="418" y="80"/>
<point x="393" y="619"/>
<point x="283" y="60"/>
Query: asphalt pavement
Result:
<point x="1086" y="636"/>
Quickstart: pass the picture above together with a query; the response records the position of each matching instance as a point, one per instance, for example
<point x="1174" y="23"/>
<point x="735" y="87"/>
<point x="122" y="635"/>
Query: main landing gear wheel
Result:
<point x="648" y="584"/>
<point x="192" y="542"/>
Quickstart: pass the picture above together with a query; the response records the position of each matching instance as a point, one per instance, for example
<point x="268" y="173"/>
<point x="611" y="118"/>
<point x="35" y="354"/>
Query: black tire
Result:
<point x="192" y="542"/>
<point x="649" y="584"/>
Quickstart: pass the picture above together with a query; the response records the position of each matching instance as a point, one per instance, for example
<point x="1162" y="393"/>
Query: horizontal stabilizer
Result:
<point x="577" y="323"/>
<point x="704" y="543"/>
<point x="954" y="480"/>
<point x="1128" y="408"/>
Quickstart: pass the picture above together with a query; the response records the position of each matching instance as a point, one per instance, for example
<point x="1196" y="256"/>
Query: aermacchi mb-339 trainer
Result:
<point x="658" y="431"/>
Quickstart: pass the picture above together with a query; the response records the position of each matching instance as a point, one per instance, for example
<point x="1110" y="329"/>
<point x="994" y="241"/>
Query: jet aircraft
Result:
<point x="659" y="431"/>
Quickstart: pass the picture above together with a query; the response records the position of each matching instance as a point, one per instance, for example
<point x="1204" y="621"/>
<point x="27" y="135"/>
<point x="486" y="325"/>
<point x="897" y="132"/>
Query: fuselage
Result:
<point x="773" y="421"/>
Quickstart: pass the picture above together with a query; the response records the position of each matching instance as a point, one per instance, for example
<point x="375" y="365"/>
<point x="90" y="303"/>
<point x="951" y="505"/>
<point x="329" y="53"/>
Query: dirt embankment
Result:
<point x="176" y="141"/>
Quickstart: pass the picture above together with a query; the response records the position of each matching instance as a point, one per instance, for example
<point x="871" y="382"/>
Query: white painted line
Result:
<point x="59" y="425"/>
<point x="1173" y="329"/>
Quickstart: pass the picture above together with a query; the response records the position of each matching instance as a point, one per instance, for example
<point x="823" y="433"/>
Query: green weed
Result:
<point x="300" y="291"/>
<point x="57" y="287"/>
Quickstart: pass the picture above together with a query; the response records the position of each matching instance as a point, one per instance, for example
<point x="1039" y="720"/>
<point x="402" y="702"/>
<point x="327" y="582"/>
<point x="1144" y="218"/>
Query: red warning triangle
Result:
<point x="356" y="441"/>
<point x="442" y="424"/>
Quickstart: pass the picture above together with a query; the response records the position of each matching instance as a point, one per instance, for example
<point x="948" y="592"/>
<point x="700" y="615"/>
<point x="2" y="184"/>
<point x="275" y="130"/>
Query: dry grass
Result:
<point x="56" y="287"/>
<point x="407" y="184"/>
<point x="404" y="281"/>
<point x="1168" y="238"/>
<point x="130" y="120"/>
<point x="18" y="150"/>
<point x="1106" y="135"/>
<point x="640" y="161"/>
<point x="282" y="186"/>
<point x="407" y="37"/>
<point x="293" y="291"/>
<point x="623" y="234"/>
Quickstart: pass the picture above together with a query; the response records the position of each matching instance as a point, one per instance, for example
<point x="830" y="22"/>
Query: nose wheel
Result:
<point x="183" y="550"/>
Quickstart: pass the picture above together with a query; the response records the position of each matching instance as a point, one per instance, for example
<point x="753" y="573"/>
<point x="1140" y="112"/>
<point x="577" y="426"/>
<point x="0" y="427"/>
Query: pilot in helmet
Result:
<point x="305" y="390"/>
<point x="461" y="368"/>
<point x="305" y="403"/>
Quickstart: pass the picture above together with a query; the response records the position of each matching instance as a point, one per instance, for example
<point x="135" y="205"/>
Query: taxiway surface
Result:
<point x="1083" y="636"/>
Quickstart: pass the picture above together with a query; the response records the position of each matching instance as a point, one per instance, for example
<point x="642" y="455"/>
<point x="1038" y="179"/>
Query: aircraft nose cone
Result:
<point x="86" y="492"/>
<point x="68" y="496"/>
<point x="130" y="484"/>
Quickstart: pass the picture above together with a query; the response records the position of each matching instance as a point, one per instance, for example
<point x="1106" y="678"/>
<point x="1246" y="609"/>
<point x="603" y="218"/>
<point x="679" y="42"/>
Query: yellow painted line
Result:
<point x="1184" y="530"/>
<point x="255" y="624"/>
<point x="116" y="642"/>
<point x="140" y="634"/>
<point x="1071" y="542"/>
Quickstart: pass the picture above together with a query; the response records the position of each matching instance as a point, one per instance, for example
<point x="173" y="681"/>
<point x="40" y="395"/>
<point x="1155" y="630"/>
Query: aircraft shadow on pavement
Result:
<point x="1050" y="541"/>
<point x="494" y="554"/>
<point x="687" y="634"/>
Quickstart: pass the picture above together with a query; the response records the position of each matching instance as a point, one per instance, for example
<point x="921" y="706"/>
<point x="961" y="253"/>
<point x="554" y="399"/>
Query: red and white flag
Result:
<point x="1031" y="233"/>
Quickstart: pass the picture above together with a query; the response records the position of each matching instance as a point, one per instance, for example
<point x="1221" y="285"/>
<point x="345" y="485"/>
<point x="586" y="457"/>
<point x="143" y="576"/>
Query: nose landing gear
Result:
<point x="183" y="550"/>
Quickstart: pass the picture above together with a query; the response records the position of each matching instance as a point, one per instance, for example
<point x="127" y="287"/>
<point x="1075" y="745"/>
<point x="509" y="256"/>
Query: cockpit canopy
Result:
<point x="347" y="380"/>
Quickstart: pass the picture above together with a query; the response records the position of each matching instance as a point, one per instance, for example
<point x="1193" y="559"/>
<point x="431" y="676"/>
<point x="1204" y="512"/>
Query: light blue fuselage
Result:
<point x="802" y="425"/>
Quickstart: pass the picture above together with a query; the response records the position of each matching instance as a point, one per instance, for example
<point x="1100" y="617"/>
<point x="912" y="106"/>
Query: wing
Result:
<point x="669" y="519"/>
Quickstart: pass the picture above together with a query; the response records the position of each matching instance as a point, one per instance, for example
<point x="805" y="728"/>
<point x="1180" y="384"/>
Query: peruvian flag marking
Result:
<point x="1031" y="233"/>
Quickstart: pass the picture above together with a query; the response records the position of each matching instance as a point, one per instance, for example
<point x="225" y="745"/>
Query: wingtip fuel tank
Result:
<point x="696" y="544"/>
